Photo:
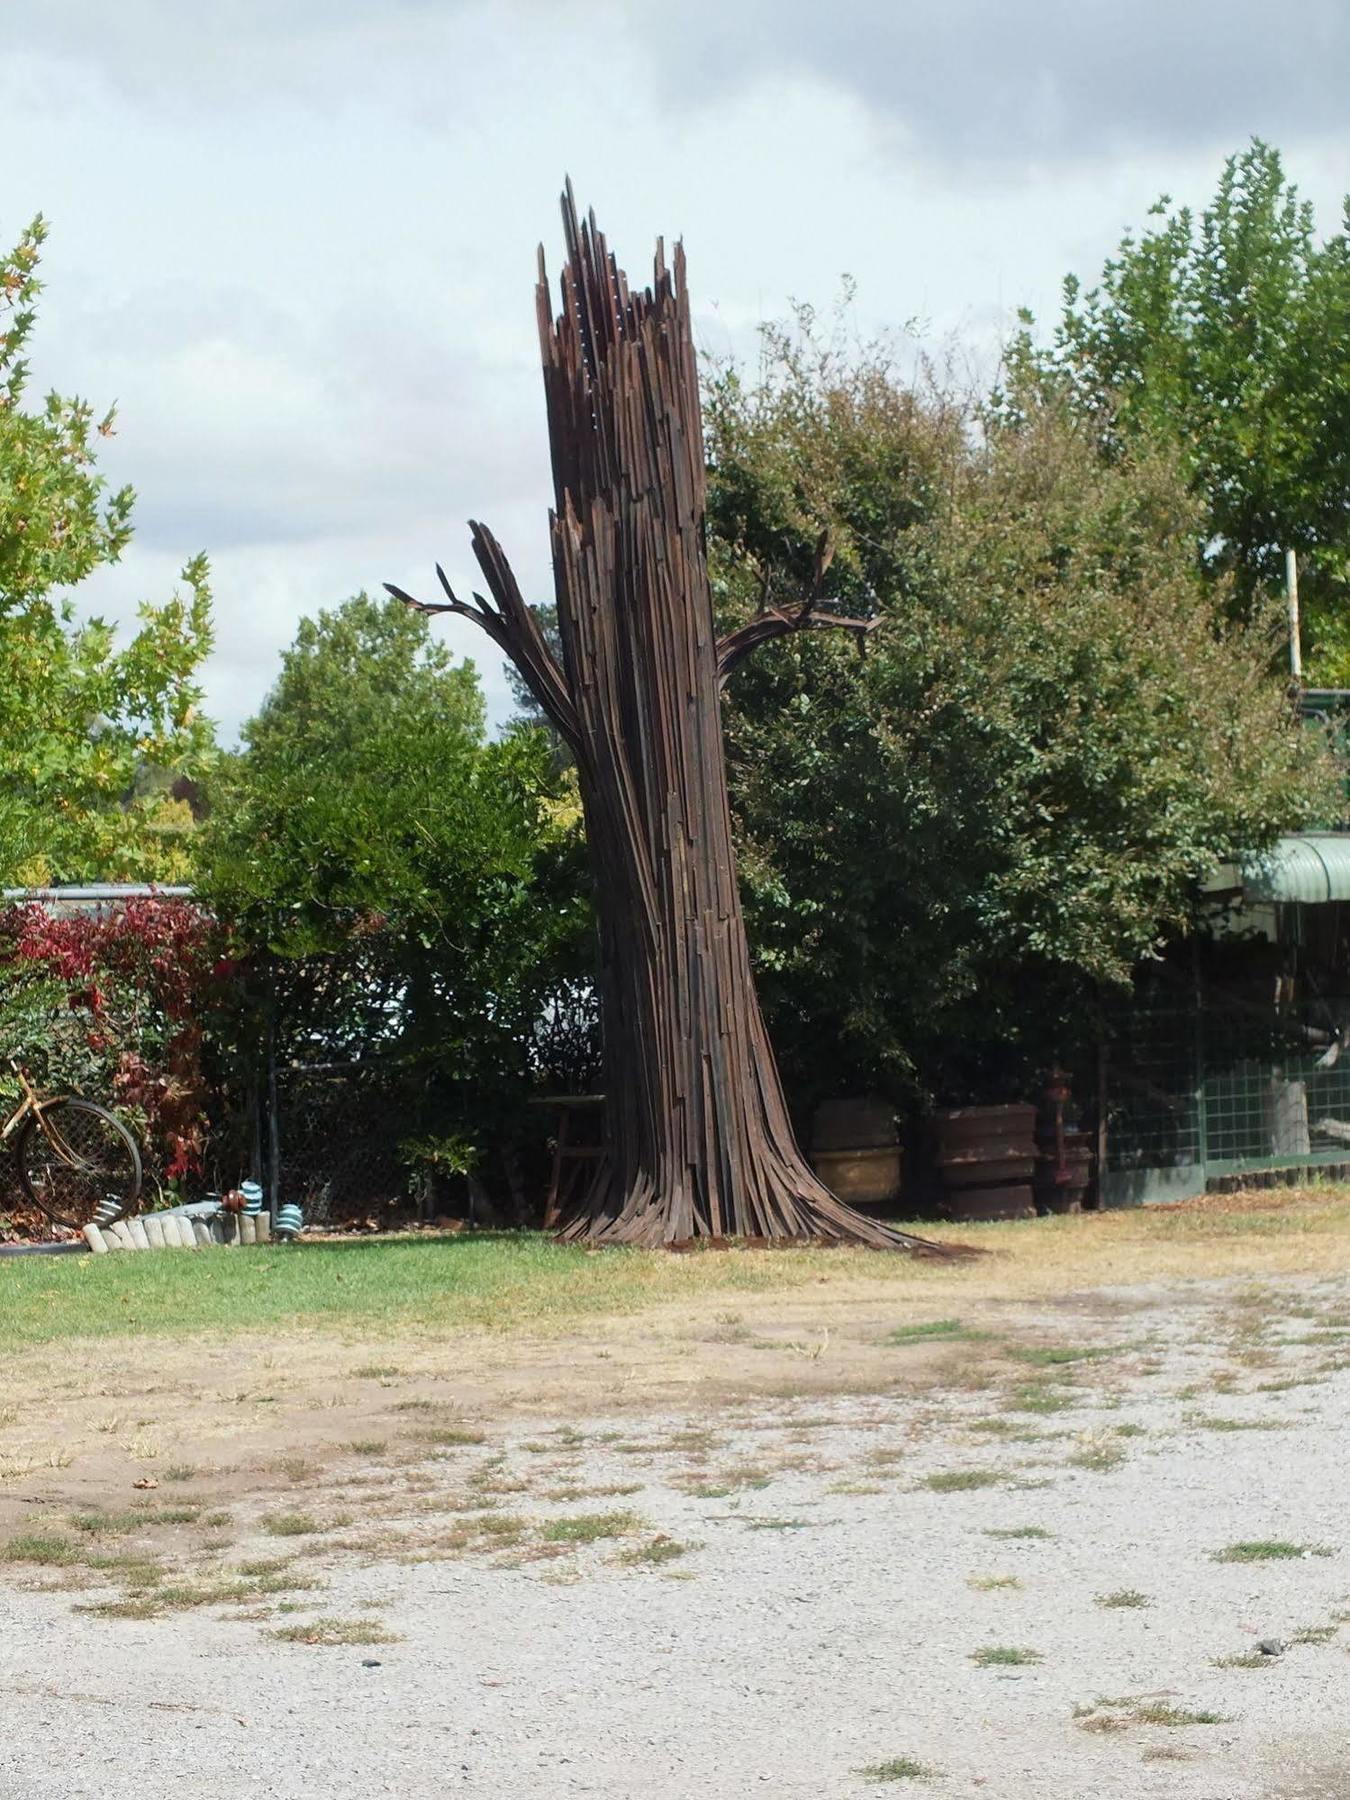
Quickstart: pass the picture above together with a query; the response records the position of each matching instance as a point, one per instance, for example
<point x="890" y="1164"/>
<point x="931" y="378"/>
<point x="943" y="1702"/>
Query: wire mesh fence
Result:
<point x="364" y="1116"/>
<point x="333" y="1142"/>
<point x="1197" y="1091"/>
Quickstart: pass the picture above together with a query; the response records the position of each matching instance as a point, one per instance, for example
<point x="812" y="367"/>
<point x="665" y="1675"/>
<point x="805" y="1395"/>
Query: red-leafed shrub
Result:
<point x="112" y="1004"/>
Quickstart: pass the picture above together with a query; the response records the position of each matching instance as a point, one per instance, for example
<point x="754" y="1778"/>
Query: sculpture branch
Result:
<point x="777" y="622"/>
<point x="513" y="627"/>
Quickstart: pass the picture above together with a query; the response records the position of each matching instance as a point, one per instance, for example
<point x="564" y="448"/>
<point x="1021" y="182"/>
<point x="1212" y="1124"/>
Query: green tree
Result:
<point x="93" y="731"/>
<point x="416" y="886"/>
<point x="951" y="844"/>
<point x="1227" y="336"/>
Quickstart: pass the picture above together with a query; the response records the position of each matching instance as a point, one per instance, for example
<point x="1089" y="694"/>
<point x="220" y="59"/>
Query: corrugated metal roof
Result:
<point x="1306" y="870"/>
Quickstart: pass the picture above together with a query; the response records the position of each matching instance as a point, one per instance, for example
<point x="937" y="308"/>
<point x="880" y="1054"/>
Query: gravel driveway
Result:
<point x="826" y="1598"/>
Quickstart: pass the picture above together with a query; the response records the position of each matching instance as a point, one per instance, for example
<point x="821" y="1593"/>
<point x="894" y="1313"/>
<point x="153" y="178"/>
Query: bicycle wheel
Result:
<point x="76" y="1160"/>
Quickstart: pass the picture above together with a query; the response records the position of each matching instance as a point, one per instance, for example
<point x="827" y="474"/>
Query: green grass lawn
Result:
<point x="467" y="1278"/>
<point x="471" y="1282"/>
<point x="500" y="1281"/>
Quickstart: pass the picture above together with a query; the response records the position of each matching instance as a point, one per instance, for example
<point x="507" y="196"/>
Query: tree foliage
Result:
<point x="113" y="1003"/>
<point x="415" y="886"/>
<point x="1226" y="336"/>
<point x="93" y="729"/>
<point x="949" y="844"/>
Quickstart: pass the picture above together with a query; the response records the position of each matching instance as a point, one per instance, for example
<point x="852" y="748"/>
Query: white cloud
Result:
<point x="297" y="243"/>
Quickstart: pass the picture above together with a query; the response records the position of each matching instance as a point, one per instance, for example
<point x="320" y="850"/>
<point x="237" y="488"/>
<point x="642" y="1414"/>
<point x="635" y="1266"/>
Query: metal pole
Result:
<point x="1198" y="1050"/>
<point x="1102" y="1105"/>
<point x="273" y="1126"/>
<point x="1295" y="636"/>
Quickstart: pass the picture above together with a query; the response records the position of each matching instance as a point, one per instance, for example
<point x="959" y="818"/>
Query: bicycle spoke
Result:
<point x="78" y="1163"/>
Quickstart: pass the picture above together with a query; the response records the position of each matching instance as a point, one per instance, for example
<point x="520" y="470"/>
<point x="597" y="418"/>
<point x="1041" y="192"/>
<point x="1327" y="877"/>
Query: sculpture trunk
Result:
<point x="697" y="1138"/>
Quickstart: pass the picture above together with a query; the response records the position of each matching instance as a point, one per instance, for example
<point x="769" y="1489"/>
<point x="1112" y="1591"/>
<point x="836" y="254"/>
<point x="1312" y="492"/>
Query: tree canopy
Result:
<point x="949" y="844"/>
<point x="422" y="881"/>
<point x="94" y="727"/>
<point x="1226" y="337"/>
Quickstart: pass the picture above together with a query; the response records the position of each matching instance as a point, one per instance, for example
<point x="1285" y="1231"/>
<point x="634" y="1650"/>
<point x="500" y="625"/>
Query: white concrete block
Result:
<point x="154" y="1231"/>
<point x="95" y="1240"/>
<point x="248" y="1228"/>
<point x="262" y="1228"/>
<point x="138" y="1235"/>
<point x="202" y="1232"/>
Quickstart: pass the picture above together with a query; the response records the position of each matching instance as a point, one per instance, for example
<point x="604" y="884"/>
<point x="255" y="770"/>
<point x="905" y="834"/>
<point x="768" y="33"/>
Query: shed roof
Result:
<point x="1305" y="869"/>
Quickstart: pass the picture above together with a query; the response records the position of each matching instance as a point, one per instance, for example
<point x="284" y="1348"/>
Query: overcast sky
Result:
<point x="294" y="239"/>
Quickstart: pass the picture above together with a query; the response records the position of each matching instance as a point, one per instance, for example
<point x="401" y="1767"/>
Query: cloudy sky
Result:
<point x="295" y="241"/>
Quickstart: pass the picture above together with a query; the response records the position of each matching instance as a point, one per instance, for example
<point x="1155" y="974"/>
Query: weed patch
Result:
<point x="960" y="1481"/>
<point x="589" y="1528"/>
<point x="1208" y="1423"/>
<point x="45" y="1549"/>
<point x="1054" y="1356"/>
<point x="293" y="1524"/>
<point x="897" y="1768"/>
<point x="929" y="1331"/>
<point x="1038" y="1397"/>
<point x="655" y="1553"/>
<point x="335" y="1631"/>
<point x="1251" y="1550"/>
<point x="1117" y="1715"/>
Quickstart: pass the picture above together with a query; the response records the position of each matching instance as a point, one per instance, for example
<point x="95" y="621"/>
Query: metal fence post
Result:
<point x="1198" y="1038"/>
<point x="273" y="1127"/>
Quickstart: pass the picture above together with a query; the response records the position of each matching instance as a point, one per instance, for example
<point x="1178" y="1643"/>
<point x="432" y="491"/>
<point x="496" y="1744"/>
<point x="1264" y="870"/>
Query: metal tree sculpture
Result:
<point x="697" y="1138"/>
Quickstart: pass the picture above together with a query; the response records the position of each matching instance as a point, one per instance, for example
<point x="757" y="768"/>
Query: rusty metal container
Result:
<point x="987" y="1156"/>
<point x="855" y="1150"/>
<point x="1008" y="1200"/>
<point x="1062" y="1180"/>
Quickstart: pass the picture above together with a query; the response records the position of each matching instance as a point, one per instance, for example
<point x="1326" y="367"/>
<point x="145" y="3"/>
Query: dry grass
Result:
<point x="1096" y="1450"/>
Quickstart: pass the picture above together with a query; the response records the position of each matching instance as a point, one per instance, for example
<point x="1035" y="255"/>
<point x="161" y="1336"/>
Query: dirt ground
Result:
<point x="963" y="1540"/>
<point x="243" y="1410"/>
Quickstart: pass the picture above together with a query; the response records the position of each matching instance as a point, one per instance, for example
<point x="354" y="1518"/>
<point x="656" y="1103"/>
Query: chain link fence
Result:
<point x="1221" y="1086"/>
<point x="331" y="1142"/>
